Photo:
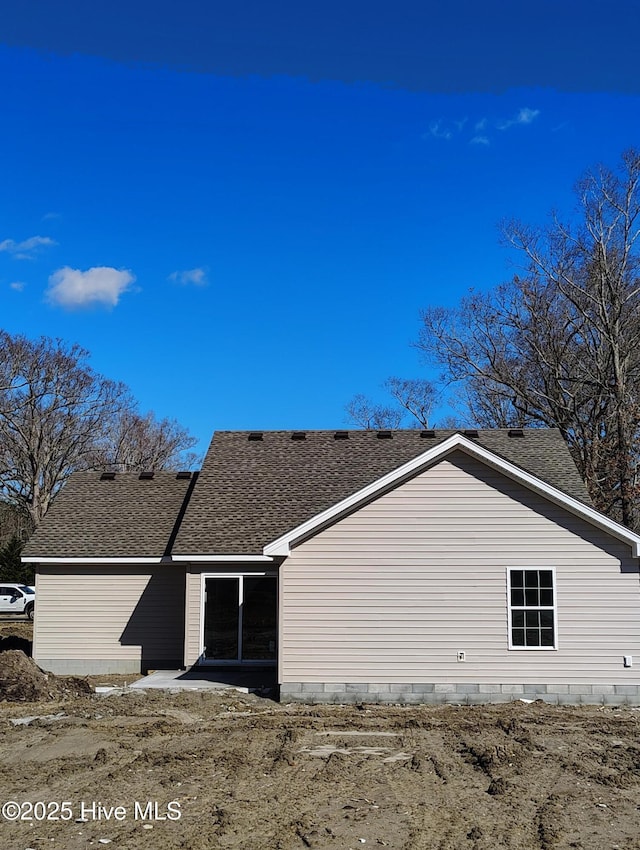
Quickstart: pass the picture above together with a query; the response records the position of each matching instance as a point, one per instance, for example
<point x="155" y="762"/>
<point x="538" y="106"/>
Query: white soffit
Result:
<point x="222" y="558"/>
<point x="124" y="559"/>
<point x="282" y="545"/>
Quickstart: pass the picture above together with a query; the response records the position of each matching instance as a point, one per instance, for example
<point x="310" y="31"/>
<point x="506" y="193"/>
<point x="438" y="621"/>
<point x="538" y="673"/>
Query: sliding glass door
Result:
<point x="240" y="618"/>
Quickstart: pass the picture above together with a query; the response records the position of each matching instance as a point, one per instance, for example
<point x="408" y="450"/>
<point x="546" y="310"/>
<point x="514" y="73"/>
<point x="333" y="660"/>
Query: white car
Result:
<point x="17" y="599"/>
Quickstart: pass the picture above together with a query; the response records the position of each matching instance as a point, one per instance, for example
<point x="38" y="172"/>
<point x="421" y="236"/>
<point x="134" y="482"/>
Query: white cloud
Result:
<point x="523" y="116"/>
<point x="18" y="285"/>
<point x="526" y="116"/>
<point x="439" y="131"/>
<point x="478" y="132"/>
<point x="73" y="288"/>
<point x="197" y="276"/>
<point x="28" y="248"/>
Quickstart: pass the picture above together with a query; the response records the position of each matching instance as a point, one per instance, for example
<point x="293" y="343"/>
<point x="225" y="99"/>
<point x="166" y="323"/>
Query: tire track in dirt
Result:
<point x="254" y="775"/>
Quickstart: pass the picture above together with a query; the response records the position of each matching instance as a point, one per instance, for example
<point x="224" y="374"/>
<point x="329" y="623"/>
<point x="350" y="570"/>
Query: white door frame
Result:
<point x="239" y="574"/>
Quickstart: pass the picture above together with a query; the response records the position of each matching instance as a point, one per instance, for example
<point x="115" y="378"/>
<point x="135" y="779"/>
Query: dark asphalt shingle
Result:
<point x="252" y="491"/>
<point x="128" y="516"/>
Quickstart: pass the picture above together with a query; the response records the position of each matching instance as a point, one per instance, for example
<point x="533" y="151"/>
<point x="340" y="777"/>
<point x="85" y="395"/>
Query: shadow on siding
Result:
<point x="156" y="624"/>
<point x="561" y="516"/>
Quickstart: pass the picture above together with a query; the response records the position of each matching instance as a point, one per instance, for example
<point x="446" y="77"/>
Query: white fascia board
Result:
<point x="35" y="559"/>
<point x="222" y="558"/>
<point x="282" y="545"/>
<point x="559" y="497"/>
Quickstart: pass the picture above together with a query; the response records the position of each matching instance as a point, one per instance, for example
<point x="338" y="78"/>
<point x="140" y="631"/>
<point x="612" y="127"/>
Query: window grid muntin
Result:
<point x="532" y="626"/>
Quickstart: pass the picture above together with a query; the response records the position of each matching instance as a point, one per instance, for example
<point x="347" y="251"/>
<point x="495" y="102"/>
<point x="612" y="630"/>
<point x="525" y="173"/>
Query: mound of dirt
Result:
<point x="22" y="679"/>
<point x="11" y="627"/>
<point x="16" y="642"/>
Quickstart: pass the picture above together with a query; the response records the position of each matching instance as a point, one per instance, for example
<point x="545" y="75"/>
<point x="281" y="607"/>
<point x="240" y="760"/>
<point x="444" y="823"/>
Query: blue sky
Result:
<point x="241" y="215"/>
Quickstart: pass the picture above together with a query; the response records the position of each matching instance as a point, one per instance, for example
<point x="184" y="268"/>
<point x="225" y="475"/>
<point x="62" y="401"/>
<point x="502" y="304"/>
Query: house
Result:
<point x="416" y="566"/>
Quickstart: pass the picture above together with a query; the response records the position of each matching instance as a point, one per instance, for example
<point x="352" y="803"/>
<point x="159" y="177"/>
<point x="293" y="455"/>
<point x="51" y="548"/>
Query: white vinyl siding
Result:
<point x="193" y="602"/>
<point x="392" y="592"/>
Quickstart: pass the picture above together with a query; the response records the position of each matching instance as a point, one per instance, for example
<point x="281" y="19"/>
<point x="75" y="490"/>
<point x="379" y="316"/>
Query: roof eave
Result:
<point x="119" y="559"/>
<point x="258" y="558"/>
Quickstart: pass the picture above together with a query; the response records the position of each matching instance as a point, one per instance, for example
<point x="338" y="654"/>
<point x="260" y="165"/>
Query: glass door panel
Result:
<point x="259" y="618"/>
<point x="221" y="619"/>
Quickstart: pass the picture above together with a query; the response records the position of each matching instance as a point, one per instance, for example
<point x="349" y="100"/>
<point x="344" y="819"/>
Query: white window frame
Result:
<point x="553" y="608"/>
<point x="238" y="662"/>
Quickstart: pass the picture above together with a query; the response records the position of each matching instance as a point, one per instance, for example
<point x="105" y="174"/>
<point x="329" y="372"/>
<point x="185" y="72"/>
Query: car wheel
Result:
<point x="29" y="611"/>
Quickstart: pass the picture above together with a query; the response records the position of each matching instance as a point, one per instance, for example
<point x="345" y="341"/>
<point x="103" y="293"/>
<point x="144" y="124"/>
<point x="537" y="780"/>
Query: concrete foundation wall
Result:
<point x="97" y="666"/>
<point x="461" y="693"/>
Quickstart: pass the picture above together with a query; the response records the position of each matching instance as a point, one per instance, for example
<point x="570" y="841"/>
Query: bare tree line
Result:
<point x="413" y="402"/>
<point x="58" y="415"/>
<point x="559" y="344"/>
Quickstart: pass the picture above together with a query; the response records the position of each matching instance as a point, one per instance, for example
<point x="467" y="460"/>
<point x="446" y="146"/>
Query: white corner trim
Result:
<point x="35" y="559"/>
<point x="227" y="558"/>
<point x="282" y="545"/>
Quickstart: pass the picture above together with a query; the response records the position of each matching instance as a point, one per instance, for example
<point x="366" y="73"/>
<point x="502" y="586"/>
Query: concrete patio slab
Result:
<point x="254" y="680"/>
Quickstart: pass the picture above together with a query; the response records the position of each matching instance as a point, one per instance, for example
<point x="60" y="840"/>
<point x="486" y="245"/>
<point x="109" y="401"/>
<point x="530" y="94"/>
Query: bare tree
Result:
<point x="560" y="345"/>
<point x="415" y="396"/>
<point x="11" y="378"/>
<point x="363" y="412"/>
<point x="480" y="404"/>
<point x="136" y="442"/>
<point x="58" y="415"/>
<point x="50" y="416"/>
<point x="414" y="399"/>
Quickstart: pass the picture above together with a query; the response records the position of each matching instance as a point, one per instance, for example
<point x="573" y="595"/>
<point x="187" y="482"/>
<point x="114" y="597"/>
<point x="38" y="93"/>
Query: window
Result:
<point x="532" y="614"/>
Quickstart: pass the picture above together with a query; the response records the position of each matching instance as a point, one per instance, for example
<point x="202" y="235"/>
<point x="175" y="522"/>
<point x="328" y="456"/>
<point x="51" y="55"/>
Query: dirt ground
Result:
<point x="235" y="771"/>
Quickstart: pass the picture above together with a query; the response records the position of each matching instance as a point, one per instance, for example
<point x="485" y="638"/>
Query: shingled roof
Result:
<point x="128" y="516"/>
<point x="255" y="487"/>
